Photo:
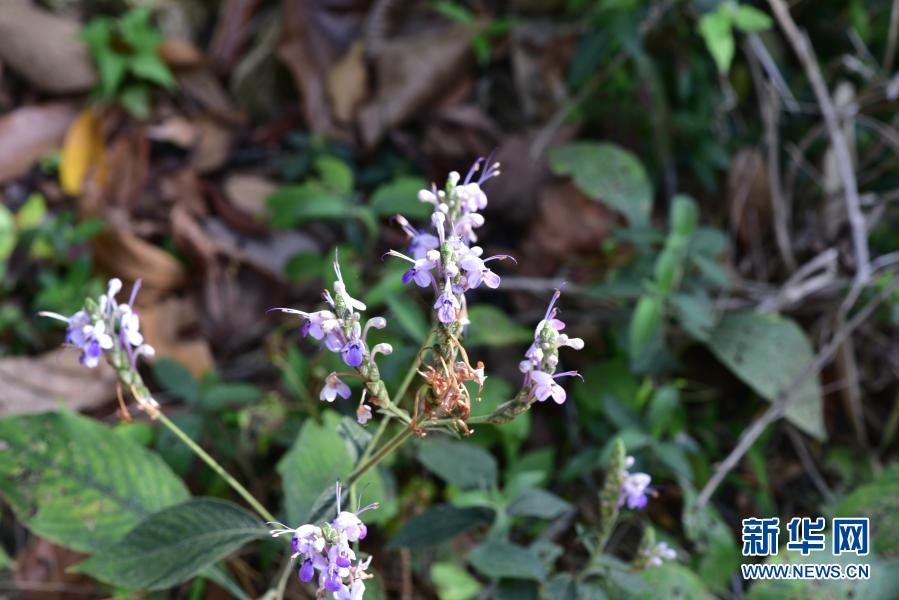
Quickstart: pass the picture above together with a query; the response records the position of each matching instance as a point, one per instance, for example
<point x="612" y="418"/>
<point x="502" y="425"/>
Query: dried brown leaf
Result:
<point x="348" y="83"/>
<point x="27" y="134"/>
<point x="412" y="72"/>
<point x="53" y="380"/>
<point x="44" y="49"/>
<point x="129" y="257"/>
<point x="164" y="323"/>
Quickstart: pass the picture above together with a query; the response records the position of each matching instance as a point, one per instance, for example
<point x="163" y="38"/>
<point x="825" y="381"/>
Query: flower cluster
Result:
<point x="634" y="487"/>
<point x="339" y="328"/>
<point x="655" y="555"/>
<point x="542" y="357"/>
<point x="447" y="260"/>
<point x="326" y="549"/>
<point x="105" y="326"/>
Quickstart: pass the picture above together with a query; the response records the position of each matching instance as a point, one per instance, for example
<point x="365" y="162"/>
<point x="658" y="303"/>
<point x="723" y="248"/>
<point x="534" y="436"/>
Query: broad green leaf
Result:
<point x="535" y="502"/>
<point x="77" y="483"/>
<point x="769" y="352"/>
<point x="492" y="327"/>
<point x="317" y="460"/>
<point x="174" y="378"/>
<point x="496" y="559"/>
<point x="222" y="395"/>
<point x="461" y="464"/>
<point x="439" y="524"/>
<point x="645" y="325"/>
<point x="879" y="501"/>
<point x="715" y="28"/>
<point x="400" y="197"/>
<point x="335" y="174"/>
<point x="609" y="174"/>
<point x="175" y="544"/>
<point x="749" y="18"/>
<point x="672" y="581"/>
<point x="453" y="582"/>
<point x="516" y="589"/>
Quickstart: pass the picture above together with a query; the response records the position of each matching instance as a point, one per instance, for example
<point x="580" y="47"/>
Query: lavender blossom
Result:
<point x="334" y="387"/>
<point x="326" y="549"/>
<point x="656" y="555"/>
<point x="634" y="487"/>
<point x="447" y="304"/>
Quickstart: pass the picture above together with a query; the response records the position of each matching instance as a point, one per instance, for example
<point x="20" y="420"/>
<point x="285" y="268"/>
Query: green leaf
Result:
<point x="645" y="325"/>
<point x="609" y="174"/>
<point x="749" y="18"/>
<point x="534" y="502"/>
<point x="461" y="464"/>
<point x="695" y="313"/>
<point x="768" y="352"/>
<point x="222" y="395"/>
<point x="408" y="315"/>
<point x="317" y="460"/>
<point x="672" y="581"/>
<point x="495" y="559"/>
<point x="77" y="483"/>
<point x="714" y="543"/>
<point x="879" y="501"/>
<point x="715" y="28"/>
<point x="439" y="524"/>
<point x="400" y="197"/>
<point x="310" y="201"/>
<point x="492" y="327"/>
<point x="32" y="212"/>
<point x="7" y="232"/>
<point x="453" y="582"/>
<point x="7" y="563"/>
<point x="175" y="379"/>
<point x="562" y="587"/>
<point x="175" y="544"/>
<point x="135" y="99"/>
<point x="335" y="174"/>
<point x="148" y="66"/>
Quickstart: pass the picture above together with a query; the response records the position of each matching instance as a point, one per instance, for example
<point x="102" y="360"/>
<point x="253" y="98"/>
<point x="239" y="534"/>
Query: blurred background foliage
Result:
<point x="668" y="161"/>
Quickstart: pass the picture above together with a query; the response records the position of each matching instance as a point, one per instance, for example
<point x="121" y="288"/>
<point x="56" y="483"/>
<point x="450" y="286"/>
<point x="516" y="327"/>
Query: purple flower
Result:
<point x="351" y="525"/>
<point x="634" y="488"/>
<point x="318" y="324"/>
<point x="363" y="414"/>
<point x="420" y="272"/>
<point x="659" y="553"/>
<point x="471" y="197"/>
<point x="334" y="387"/>
<point x="354" y="592"/>
<point x="447" y="304"/>
<point x="91" y="338"/>
<point x="545" y="386"/>
<point x="333" y="582"/>
<point x="353" y="353"/>
<point x="341" y="554"/>
<point x="476" y="272"/>
<point x="421" y="242"/>
<point x="307" y="539"/>
<point x="307" y="571"/>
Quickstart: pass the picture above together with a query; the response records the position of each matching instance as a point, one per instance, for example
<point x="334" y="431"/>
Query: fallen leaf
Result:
<point x="247" y="193"/>
<point x="176" y="130"/>
<point x="163" y="324"/>
<point x="43" y="565"/>
<point x="44" y="49"/>
<point x="412" y="72"/>
<point x="231" y="32"/>
<point x="347" y="83"/>
<point x="180" y="54"/>
<point x="51" y="381"/>
<point x="128" y="257"/>
<point x="748" y="194"/>
<point x="27" y="134"/>
<point x="213" y="145"/>
<point x="82" y="151"/>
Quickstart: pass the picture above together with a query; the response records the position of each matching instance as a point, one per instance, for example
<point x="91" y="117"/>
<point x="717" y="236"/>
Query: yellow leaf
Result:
<point x="82" y="151"/>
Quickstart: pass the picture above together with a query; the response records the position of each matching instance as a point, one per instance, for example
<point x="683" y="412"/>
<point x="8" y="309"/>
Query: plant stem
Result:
<point x="215" y="466"/>
<point x="382" y="453"/>
<point x="382" y="427"/>
<point x="413" y="369"/>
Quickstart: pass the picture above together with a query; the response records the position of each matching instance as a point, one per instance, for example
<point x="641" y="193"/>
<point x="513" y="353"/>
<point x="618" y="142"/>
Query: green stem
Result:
<point x="410" y="374"/>
<point x="382" y="427"/>
<point x="215" y="466"/>
<point x="382" y="453"/>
